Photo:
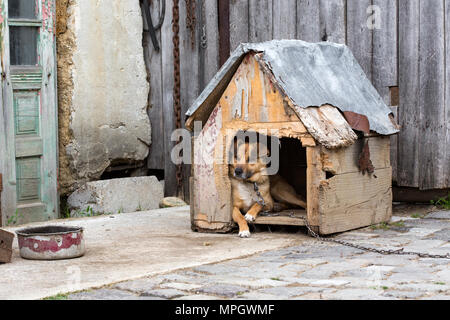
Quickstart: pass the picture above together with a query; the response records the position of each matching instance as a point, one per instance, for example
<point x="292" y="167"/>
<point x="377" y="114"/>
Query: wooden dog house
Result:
<point x="332" y="124"/>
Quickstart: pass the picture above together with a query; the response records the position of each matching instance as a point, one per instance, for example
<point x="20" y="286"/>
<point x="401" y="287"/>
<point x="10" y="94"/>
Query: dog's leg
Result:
<point x="244" y="232"/>
<point x="281" y="191"/>
<point x="253" y="212"/>
<point x="279" y="206"/>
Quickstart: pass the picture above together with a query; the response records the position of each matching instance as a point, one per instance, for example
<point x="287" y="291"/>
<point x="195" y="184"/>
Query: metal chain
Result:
<point x="191" y="20"/>
<point x="349" y="244"/>
<point x="176" y="82"/>
<point x="380" y="251"/>
<point x="260" y="201"/>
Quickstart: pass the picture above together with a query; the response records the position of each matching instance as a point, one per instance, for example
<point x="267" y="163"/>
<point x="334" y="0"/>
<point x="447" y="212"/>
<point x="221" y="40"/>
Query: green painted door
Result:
<point x="28" y="146"/>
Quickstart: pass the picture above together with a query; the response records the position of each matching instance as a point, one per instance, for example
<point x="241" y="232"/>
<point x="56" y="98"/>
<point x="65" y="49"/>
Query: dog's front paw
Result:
<point x="244" y="234"/>
<point x="249" y="217"/>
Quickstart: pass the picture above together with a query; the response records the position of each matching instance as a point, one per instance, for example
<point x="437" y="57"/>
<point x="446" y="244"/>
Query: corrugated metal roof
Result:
<point x="310" y="75"/>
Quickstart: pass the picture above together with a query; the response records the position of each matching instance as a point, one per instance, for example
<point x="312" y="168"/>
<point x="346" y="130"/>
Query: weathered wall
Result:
<point x="65" y="42"/>
<point x="103" y="88"/>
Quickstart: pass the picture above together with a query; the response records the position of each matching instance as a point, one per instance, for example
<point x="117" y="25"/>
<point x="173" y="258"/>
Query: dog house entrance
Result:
<point x="293" y="165"/>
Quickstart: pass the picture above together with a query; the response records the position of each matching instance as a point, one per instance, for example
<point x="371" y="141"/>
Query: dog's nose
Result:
<point x="238" y="171"/>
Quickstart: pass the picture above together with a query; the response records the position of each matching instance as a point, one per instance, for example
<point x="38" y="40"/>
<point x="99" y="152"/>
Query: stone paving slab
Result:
<point x="439" y="215"/>
<point x="108" y="294"/>
<point x="317" y="270"/>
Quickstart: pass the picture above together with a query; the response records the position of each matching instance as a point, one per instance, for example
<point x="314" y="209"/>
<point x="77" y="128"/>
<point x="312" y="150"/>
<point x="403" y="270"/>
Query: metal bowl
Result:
<point x="51" y="242"/>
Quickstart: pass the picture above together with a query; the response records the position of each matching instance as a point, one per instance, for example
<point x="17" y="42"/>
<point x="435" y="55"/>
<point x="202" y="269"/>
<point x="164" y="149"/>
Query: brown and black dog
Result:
<point x="244" y="174"/>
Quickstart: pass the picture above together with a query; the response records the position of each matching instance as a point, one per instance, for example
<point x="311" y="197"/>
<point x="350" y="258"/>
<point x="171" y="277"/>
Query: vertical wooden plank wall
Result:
<point x="189" y="81"/>
<point x="308" y="24"/>
<point x="447" y="93"/>
<point x="284" y="20"/>
<point x="260" y="20"/>
<point x="359" y="36"/>
<point x="384" y="51"/>
<point x="153" y="61"/>
<point x="239" y="23"/>
<point x="332" y="20"/>
<point x="405" y="48"/>
<point x="432" y="94"/>
<point x="409" y="111"/>
<point x="167" y="99"/>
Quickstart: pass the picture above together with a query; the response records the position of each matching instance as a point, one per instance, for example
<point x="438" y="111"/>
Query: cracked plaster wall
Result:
<point x="103" y="88"/>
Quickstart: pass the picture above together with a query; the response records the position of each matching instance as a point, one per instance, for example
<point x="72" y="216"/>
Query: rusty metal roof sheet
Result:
<point x="310" y="75"/>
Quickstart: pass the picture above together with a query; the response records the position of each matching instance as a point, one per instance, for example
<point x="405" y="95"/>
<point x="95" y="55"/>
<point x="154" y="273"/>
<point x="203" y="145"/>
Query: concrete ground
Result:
<point x="160" y="258"/>
<point x="128" y="246"/>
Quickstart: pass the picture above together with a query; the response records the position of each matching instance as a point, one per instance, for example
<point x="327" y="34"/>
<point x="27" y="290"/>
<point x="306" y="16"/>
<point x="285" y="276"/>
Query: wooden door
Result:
<point x="28" y="117"/>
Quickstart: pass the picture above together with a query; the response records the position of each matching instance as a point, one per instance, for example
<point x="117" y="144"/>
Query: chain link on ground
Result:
<point x="349" y="244"/>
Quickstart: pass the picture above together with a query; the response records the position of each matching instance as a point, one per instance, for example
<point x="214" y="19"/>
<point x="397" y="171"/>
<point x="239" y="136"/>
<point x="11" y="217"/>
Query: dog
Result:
<point x="248" y="178"/>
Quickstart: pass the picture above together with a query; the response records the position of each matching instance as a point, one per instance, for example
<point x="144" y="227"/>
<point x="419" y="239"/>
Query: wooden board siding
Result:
<point x="284" y="22"/>
<point x="348" y="199"/>
<point x="432" y="95"/>
<point x="447" y="94"/>
<point x="359" y="36"/>
<point x="260" y="20"/>
<point x="345" y="160"/>
<point x="332" y="21"/>
<point x="308" y="24"/>
<point x="351" y="200"/>
<point x="251" y="97"/>
<point x="389" y="56"/>
<point x="384" y="55"/>
<point x="211" y="187"/>
<point x="409" y="108"/>
<point x="153" y="61"/>
<point x="170" y="184"/>
<point x="239" y="23"/>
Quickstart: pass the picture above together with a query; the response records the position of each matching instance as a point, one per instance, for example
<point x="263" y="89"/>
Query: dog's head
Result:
<point x="248" y="161"/>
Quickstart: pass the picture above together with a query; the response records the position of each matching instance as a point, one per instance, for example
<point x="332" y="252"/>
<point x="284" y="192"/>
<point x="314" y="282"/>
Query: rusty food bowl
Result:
<point x="51" y="242"/>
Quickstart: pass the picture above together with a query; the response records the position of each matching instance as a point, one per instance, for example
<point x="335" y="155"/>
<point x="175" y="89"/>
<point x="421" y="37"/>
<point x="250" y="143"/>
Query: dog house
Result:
<point x="332" y="125"/>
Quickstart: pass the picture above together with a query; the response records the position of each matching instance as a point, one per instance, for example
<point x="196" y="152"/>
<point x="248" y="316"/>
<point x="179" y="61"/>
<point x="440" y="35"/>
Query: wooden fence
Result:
<point x="400" y="44"/>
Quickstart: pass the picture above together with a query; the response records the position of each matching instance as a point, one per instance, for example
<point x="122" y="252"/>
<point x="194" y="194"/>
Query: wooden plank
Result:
<point x="332" y="21"/>
<point x="212" y="189"/>
<point x="189" y="80"/>
<point x="308" y="24"/>
<point x="345" y="160"/>
<point x="287" y="218"/>
<point x="239" y="24"/>
<point x="260" y="20"/>
<point x="249" y="97"/>
<point x="359" y="36"/>
<point x="447" y="93"/>
<point x="170" y="184"/>
<point x="314" y="176"/>
<point x="210" y="54"/>
<point x="327" y="125"/>
<point x="352" y="200"/>
<point x="224" y="29"/>
<point x="394" y="146"/>
<point x="432" y="96"/>
<point x="1" y="189"/>
<point x="384" y="63"/>
<point x="153" y="63"/>
<point x="284" y="19"/>
<point x="292" y="129"/>
<point x="6" y="240"/>
<point x="409" y="110"/>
